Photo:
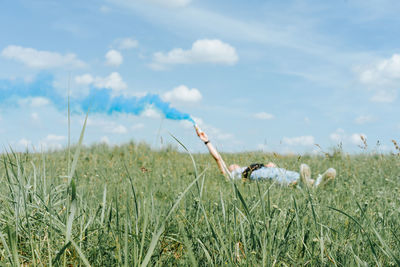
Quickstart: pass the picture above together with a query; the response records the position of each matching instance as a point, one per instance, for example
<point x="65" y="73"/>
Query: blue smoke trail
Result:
<point x="13" y="90"/>
<point x="98" y="100"/>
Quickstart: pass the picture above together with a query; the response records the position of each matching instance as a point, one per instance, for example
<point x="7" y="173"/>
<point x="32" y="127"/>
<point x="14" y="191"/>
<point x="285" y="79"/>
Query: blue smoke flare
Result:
<point x="98" y="100"/>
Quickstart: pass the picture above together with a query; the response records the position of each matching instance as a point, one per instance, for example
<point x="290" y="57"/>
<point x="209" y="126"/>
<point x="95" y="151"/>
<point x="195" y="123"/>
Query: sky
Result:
<point x="273" y="76"/>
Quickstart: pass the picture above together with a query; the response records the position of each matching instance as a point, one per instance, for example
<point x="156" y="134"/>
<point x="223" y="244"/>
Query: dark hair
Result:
<point x="247" y="172"/>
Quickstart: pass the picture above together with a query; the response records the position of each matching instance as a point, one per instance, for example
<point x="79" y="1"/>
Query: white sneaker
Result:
<point x="326" y="177"/>
<point x="305" y="175"/>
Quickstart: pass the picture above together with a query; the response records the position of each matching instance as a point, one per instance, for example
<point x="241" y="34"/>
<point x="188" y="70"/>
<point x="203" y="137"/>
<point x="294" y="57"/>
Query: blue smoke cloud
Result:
<point x="98" y="100"/>
<point x="42" y="86"/>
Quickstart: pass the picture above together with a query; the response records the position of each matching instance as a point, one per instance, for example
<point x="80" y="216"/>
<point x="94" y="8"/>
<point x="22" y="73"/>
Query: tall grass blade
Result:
<point x="68" y="231"/>
<point x="133" y="191"/>
<point x="371" y="245"/>
<point x="12" y="239"/>
<point x="6" y="248"/>
<point x="78" y="150"/>
<point x="188" y="246"/>
<point x="387" y="250"/>
<point x="69" y="128"/>
<point x="191" y="157"/>
<point x="103" y="206"/>
<point x="157" y="235"/>
<point x="80" y="253"/>
<point x="60" y="253"/>
<point x="126" y="255"/>
<point x="210" y="261"/>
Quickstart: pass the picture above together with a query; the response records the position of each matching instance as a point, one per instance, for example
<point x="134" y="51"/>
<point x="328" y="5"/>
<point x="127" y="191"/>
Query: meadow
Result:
<point x="129" y="205"/>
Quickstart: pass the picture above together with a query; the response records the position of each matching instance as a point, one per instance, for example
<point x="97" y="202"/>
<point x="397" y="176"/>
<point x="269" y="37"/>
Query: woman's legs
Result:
<point x="283" y="176"/>
<point x="305" y="175"/>
<point x="325" y="178"/>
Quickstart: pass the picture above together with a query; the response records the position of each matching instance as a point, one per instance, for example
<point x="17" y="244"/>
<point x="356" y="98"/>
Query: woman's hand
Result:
<point x="202" y="135"/>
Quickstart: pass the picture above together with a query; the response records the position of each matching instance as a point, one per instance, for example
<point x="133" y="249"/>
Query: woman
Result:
<point x="259" y="171"/>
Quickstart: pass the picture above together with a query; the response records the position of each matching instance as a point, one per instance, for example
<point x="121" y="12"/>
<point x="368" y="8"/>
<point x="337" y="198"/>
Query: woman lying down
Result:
<point x="260" y="171"/>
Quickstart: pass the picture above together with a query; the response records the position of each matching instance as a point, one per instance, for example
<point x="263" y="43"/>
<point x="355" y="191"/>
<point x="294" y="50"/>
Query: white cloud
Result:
<point x="105" y="140"/>
<point x="114" y="58"/>
<point x="118" y="129"/>
<point x="41" y="59"/>
<point x="356" y="138"/>
<point x="264" y="116"/>
<point x="113" y="81"/>
<point x="55" y="138"/>
<point x="385" y="149"/>
<point x="43" y="145"/>
<point x="39" y="102"/>
<point x="107" y="126"/>
<point x="383" y="78"/>
<point x="271" y="31"/>
<point x="170" y="3"/>
<point x="24" y="143"/>
<point x="52" y="142"/>
<point x="263" y="147"/>
<point x="217" y="133"/>
<point x="202" y="51"/>
<point x="137" y="126"/>
<point x="34" y="102"/>
<point x="307" y="140"/>
<point x="189" y="125"/>
<point x="212" y="132"/>
<point x="364" y="119"/>
<point x="35" y="116"/>
<point x="126" y="43"/>
<point x="183" y="94"/>
<point x="384" y="96"/>
<point x="157" y="66"/>
<point x="339" y="136"/>
<point x="382" y="72"/>
<point x="84" y="79"/>
<point x="150" y="112"/>
<point x="105" y="9"/>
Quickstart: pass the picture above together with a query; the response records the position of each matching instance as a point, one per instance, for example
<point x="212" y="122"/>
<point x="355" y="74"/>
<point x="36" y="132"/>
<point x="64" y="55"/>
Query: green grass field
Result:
<point x="132" y="206"/>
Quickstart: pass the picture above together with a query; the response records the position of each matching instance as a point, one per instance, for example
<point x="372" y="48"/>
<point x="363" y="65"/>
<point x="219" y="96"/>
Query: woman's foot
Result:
<point x="326" y="177"/>
<point x="305" y="175"/>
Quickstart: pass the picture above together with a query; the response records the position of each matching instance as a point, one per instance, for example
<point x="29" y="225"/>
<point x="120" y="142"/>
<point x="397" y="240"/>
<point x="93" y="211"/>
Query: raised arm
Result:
<point x="214" y="153"/>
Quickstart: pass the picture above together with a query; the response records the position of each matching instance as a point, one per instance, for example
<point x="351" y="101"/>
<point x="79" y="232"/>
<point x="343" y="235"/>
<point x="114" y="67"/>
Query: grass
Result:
<point x="131" y="206"/>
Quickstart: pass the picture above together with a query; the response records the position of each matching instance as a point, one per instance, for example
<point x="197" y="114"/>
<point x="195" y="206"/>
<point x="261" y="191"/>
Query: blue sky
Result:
<point x="256" y="75"/>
